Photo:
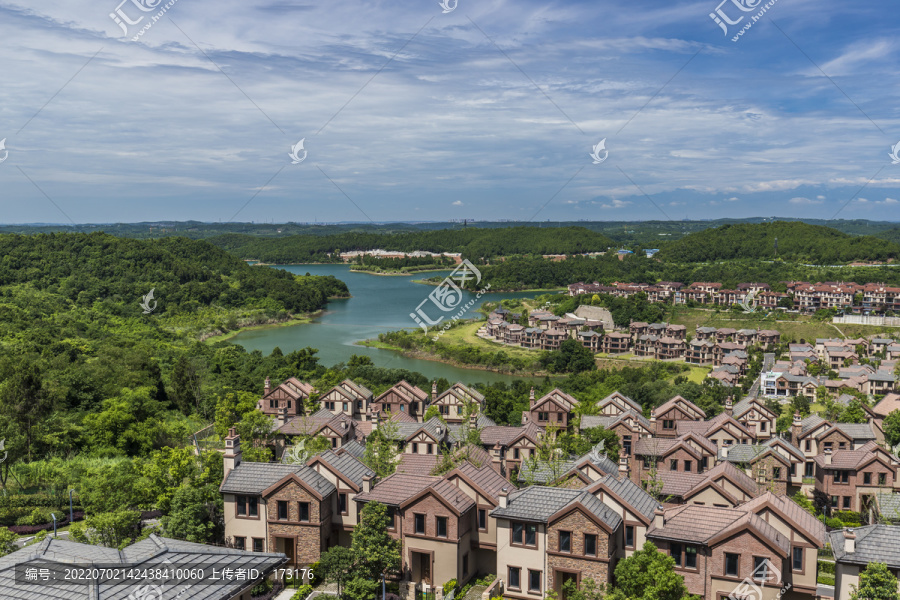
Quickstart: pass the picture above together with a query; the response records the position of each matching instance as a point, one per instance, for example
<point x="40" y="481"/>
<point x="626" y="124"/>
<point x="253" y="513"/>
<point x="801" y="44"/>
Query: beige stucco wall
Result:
<point x="640" y="531"/>
<point x="525" y="558"/>
<point x="710" y="497"/>
<point x="846" y="576"/>
<point x="248" y="528"/>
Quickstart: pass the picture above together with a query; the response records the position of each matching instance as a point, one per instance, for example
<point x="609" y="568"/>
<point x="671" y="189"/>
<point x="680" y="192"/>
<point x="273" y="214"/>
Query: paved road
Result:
<point x="22" y="541"/>
<point x="825" y="591"/>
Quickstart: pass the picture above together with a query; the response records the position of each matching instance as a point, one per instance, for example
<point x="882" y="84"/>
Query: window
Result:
<point x="731" y="564"/>
<point x="534" y="580"/>
<point x="810" y="470"/>
<point x="776" y="473"/>
<point x="415" y="448"/>
<point x="402" y="408"/>
<point x="626" y="443"/>
<point x="240" y="543"/>
<point x="673" y="465"/>
<point x="466" y="563"/>
<point x="531" y="535"/>
<point x="675" y="552"/>
<point x="703" y="465"/>
<point x="646" y="462"/>
<point x="346" y="406"/>
<point x="762" y="425"/>
<point x="590" y="544"/>
<point x="342" y="503"/>
<point x="842" y="445"/>
<point x="289" y="404"/>
<point x="867" y="478"/>
<point x="565" y="541"/>
<point x="247" y="506"/>
<point x="846" y="502"/>
<point x="304" y="511"/>
<point x="282" y="510"/>
<point x="392" y="522"/>
<point x="542" y="416"/>
<point x="797" y="559"/>
<point x="829" y="445"/>
<point x="514" y="574"/>
<point x="668" y="424"/>
<point x="258" y="545"/>
<point x="419" y="524"/>
<point x="688" y="466"/>
<point x="793" y="469"/>
<point x="834" y="502"/>
<point x="334" y="442"/>
<point x="430" y="449"/>
<point x="482" y="519"/>
<point x="241" y="505"/>
<point x="442" y="527"/>
<point x="882" y="479"/>
<point x="359" y="405"/>
<point x="845" y="476"/>
<point x="516" y="454"/>
<point x="524" y="534"/>
<point x="690" y="557"/>
<point x="760" y="568"/>
<point x="629" y="536"/>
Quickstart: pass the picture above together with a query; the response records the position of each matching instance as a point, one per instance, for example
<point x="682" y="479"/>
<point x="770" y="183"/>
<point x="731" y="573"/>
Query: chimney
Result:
<point x="376" y="419"/>
<point x="531" y="398"/>
<point x="724" y="452"/>
<point x="849" y="541"/>
<point x="659" y="517"/>
<point x="729" y="406"/>
<point x="498" y="461"/>
<point x="503" y="496"/>
<point x="623" y="463"/>
<point x="440" y="432"/>
<point x="367" y="483"/>
<point x="434" y="390"/>
<point x="268" y="386"/>
<point x="827" y="457"/>
<point x="796" y="429"/>
<point x="232" y="451"/>
<point x="282" y="415"/>
<point x="473" y="420"/>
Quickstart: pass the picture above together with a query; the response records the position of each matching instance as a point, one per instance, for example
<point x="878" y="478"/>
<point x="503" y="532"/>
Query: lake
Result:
<point x="379" y="304"/>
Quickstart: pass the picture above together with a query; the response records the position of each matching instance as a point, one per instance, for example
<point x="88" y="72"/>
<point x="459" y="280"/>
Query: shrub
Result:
<point x="38" y="516"/>
<point x="449" y="586"/>
<point x="302" y="592"/>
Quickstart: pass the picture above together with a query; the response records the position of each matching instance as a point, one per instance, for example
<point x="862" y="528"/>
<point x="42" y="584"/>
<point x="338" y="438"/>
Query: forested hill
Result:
<point x="796" y="242"/>
<point x="473" y="243"/>
<point x="114" y="273"/>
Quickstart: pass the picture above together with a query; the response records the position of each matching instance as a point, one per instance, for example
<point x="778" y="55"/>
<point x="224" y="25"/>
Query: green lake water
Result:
<point x="379" y="304"/>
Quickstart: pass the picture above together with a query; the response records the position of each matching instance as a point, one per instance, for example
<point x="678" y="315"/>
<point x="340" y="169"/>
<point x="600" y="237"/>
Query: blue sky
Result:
<point x="410" y="113"/>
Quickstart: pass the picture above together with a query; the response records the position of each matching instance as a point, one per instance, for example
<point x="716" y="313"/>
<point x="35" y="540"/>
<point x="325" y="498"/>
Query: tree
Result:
<point x="800" y="403"/>
<point x="876" y="582"/>
<point x="112" y="529"/>
<point x="25" y="402"/>
<point x="165" y="471"/>
<point x="336" y="565"/>
<point x="433" y="411"/>
<point x="892" y="428"/>
<point x="588" y="590"/>
<point x="804" y="502"/>
<point x="7" y="541"/>
<point x="196" y="514"/>
<point x="572" y="357"/>
<point x="231" y="407"/>
<point x="853" y="413"/>
<point x="256" y="428"/>
<point x="648" y="574"/>
<point x="381" y="448"/>
<point x="376" y="551"/>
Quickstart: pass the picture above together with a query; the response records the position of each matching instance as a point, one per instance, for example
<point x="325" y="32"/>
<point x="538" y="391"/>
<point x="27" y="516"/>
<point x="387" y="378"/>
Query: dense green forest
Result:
<point x="474" y="243"/>
<point x="795" y="242"/>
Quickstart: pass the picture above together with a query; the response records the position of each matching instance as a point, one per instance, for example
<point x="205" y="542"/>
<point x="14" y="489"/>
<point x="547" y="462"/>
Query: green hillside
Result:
<point x="797" y="241"/>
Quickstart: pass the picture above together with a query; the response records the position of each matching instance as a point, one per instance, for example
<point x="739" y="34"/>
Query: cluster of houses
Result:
<point x="806" y="297"/>
<point x="791" y="377"/>
<point x="712" y="492"/>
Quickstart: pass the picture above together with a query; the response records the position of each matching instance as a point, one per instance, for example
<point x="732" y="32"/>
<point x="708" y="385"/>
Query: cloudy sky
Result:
<point x="413" y="111"/>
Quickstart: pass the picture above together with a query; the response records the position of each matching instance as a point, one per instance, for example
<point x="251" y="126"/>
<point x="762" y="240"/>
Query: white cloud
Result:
<point x="802" y="200"/>
<point x="457" y="203"/>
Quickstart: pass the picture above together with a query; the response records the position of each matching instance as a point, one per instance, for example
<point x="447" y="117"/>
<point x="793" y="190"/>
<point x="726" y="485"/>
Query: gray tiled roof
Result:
<point x="538" y="504"/>
<point x="631" y="493"/>
<point x="348" y="466"/>
<point x="254" y="478"/>
<point x="810" y="422"/>
<point x="153" y="552"/>
<point x="544" y="471"/>
<point x="742" y="453"/>
<point x="888" y="505"/>
<point x="353" y="448"/>
<point x="856" y="431"/>
<point x="874" y="543"/>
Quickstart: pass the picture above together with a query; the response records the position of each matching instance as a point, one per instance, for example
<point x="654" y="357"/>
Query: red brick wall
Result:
<point x="825" y="483"/>
<point x="432" y="508"/>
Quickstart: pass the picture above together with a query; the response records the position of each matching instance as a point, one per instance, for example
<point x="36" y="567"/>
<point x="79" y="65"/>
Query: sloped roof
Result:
<point x="619" y="398"/>
<point x="608" y="421"/>
<point x="676" y="401"/>
<point x="746" y="405"/>
<point x="151" y="553"/>
<point x="733" y="474"/>
<point x="253" y="478"/>
<point x="856" y="431"/>
<point x="353" y="448"/>
<point x="537" y="504"/>
<point x="417" y="463"/>
<point x="810" y="423"/>
<point x="888" y="404"/>
<point x="679" y="483"/>
<point x="499" y="434"/>
<point x="347" y="466"/>
<point x="702" y="524"/>
<point x="397" y="488"/>
<point x="848" y="459"/>
<point x="637" y="499"/>
<point x="544" y="471"/>
<point x="489" y="481"/>
<point x="792" y="511"/>
<point x="888" y="505"/>
<point x="874" y="543"/>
